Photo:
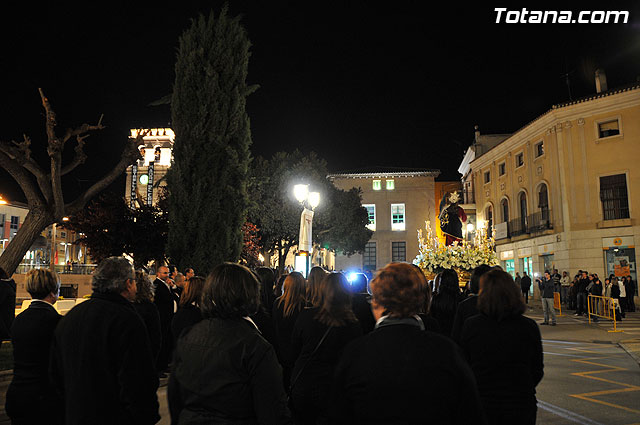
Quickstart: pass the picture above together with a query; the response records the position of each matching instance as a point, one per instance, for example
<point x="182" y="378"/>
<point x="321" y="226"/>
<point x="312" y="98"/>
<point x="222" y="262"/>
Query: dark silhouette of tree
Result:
<point x="207" y="181"/>
<point x="42" y="186"/>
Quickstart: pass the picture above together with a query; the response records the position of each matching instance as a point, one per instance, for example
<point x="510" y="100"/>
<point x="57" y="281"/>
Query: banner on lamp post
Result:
<point x="150" y="184"/>
<point x="134" y="185"/>
<point x="305" y="242"/>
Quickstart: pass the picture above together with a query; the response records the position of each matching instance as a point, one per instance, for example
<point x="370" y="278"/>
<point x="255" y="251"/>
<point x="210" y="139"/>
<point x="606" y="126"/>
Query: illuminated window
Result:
<point x="391" y="185"/>
<point x="371" y="211"/>
<point x="608" y="128"/>
<point x="377" y="185"/>
<point x="397" y="217"/>
<point x="369" y="256"/>
<point x="398" y="251"/>
<point x="539" y="149"/>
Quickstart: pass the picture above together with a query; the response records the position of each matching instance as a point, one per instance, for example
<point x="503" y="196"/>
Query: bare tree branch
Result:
<point x="80" y="157"/>
<point x="20" y="152"/>
<point x="50" y="123"/>
<point x="22" y="178"/>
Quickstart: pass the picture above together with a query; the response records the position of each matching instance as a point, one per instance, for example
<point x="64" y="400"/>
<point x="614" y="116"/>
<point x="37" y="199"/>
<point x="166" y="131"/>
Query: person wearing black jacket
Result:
<point x="224" y="371"/>
<point x="504" y="350"/>
<point x="445" y="303"/>
<point x="333" y="323"/>
<point x="189" y="312"/>
<point x="547" y="288"/>
<point x="361" y="303"/>
<point x="101" y="361"/>
<point x="7" y="304"/>
<point x="581" y="294"/>
<point x="167" y="307"/>
<point x="383" y="377"/>
<point x="469" y="307"/>
<point x="525" y="286"/>
<point x="148" y="311"/>
<point x="31" y="399"/>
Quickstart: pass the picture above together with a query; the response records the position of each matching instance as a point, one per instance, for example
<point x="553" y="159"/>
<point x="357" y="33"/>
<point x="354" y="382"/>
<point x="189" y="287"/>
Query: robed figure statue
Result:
<point x="451" y="218"/>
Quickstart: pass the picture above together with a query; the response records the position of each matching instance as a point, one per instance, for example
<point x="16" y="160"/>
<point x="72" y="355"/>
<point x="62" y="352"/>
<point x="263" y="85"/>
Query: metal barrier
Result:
<point x="557" y="304"/>
<point x="605" y="307"/>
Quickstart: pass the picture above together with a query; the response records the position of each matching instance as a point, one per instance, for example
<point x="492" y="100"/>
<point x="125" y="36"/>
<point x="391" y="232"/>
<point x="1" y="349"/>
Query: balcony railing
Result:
<point x="531" y="224"/>
<point x="59" y="268"/>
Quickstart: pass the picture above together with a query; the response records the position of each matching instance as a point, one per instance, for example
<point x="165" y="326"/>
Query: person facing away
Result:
<point x="101" y="362"/>
<point x="188" y="313"/>
<point x="224" y="371"/>
<point x="547" y="288"/>
<point x="285" y="313"/>
<point x="518" y="280"/>
<point x="316" y="275"/>
<point x="167" y="307"/>
<point x="468" y="307"/>
<point x="333" y="322"/>
<point x="445" y="302"/>
<point x="383" y="377"/>
<point x="504" y="349"/>
<point x="525" y="286"/>
<point x="148" y="311"/>
<point x="361" y="302"/>
<point x="7" y="304"/>
<point x="31" y="399"/>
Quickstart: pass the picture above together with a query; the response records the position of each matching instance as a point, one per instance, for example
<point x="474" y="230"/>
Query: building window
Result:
<point x="519" y="160"/>
<point x="502" y="169"/>
<point x="487" y="177"/>
<point x="371" y="211"/>
<point x="543" y="202"/>
<point x="608" y="128"/>
<point x="15" y="221"/>
<point x="391" y="185"/>
<point x="613" y="194"/>
<point x="377" y="185"/>
<point x="398" y="251"/>
<point x="523" y="211"/>
<point x="63" y="235"/>
<point x="505" y="210"/>
<point x="539" y="149"/>
<point x="397" y="217"/>
<point x="369" y="256"/>
<point x="488" y="216"/>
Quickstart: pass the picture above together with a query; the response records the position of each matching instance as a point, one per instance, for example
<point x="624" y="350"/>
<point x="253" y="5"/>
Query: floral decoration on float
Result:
<point x="434" y="257"/>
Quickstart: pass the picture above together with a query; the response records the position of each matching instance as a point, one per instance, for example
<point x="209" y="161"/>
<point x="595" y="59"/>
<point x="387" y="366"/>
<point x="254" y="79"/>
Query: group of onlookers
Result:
<point x="246" y="347"/>
<point x="621" y="289"/>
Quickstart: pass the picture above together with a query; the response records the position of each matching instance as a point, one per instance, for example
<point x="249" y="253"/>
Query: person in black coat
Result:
<point x="7" y="304"/>
<point x="361" y="303"/>
<point x="445" y="302"/>
<point x="189" y="312"/>
<point x="400" y="373"/>
<point x="101" y="361"/>
<point x="148" y="312"/>
<point x="525" y="286"/>
<point x="285" y="313"/>
<point x="468" y="307"/>
<point x="333" y="323"/>
<point x="164" y="299"/>
<point x="224" y="371"/>
<point x="504" y="350"/>
<point x="31" y="399"/>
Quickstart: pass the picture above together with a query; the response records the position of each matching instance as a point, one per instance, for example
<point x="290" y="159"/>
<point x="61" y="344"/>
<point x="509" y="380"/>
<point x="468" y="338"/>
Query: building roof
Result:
<point x="385" y="172"/>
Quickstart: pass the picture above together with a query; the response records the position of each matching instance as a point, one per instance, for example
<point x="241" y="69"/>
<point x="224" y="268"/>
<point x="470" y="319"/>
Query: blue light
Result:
<point x="351" y="277"/>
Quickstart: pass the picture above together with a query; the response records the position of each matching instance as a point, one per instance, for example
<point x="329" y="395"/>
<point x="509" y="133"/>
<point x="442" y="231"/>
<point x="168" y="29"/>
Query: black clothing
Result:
<point x="547" y="288"/>
<point x="467" y="308"/>
<point x="310" y="393"/>
<point x="283" y="327"/>
<point x="525" y="283"/>
<point x="506" y="358"/>
<point x="7" y="307"/>
<point x="265" y="325"/>
<point x="582" y="285"/>
<point x="450" y="222"/>
<point x="185" y="317"/>
<point x="224" y="372"/>
<point x="401" y="374"/>
<point x="151" y="319"/>
<point x="102" y="364"/>
<point x="361" y="306"/>
<point x="30" y="397"/>
<point x="165" y="301"/>
<point x="443" y="309"/>
<point x="430" y="324"/>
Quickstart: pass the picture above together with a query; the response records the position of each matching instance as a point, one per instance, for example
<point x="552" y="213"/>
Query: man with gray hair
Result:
<point x="101" y="356"/>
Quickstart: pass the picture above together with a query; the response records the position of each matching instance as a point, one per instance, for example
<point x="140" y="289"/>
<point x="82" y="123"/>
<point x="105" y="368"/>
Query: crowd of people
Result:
<point x="251" y="347"/>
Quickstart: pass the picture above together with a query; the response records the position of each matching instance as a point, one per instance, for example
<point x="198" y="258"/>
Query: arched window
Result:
<point x="543" y="202"/>
<point x="523" y="211"/>
<point x="488" y="216"/>
<point x="504" y="205"/>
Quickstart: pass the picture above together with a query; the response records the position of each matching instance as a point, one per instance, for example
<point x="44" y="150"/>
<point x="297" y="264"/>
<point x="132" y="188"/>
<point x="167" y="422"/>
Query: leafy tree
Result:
<point x="42" y="186"/>
<point x="251" y="246"/>
<point x="207" y="182"/>
<point x="339" y="221"/>
<point x="109" y="227"/>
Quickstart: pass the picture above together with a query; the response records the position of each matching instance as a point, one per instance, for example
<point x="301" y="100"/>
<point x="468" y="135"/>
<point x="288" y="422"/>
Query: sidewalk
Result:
<point x="578" y="329"/>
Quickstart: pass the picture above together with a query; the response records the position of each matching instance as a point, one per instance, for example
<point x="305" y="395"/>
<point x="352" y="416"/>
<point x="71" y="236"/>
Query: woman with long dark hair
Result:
<point x="148" y="311"/>
<point x="189" y="312"/>
<point x="224" y="371"/>
<point x="319" y="336"/>
<point x="504" y="350"/>
<point x="316" y="275"/>
<point x="285" y="313"/>
<point x="445" y="303"/>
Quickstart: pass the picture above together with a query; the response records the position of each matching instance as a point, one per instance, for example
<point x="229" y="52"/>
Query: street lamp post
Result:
<point x="305" y="241"/>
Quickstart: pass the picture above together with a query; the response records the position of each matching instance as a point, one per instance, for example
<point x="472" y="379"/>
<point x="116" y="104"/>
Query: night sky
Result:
<point x="363" y="86"/>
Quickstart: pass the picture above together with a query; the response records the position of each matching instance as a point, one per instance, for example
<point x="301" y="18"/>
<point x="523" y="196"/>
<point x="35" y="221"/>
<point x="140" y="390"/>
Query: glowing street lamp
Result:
<point x="3" y="201"/>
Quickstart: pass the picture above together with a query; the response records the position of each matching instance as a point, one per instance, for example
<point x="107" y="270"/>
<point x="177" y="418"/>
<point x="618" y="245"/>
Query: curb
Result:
<point x="632" y="347"/>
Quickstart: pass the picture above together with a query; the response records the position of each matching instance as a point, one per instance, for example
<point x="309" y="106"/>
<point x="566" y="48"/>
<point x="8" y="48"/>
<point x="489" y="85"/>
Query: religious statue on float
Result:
<point x="451" y="218"/>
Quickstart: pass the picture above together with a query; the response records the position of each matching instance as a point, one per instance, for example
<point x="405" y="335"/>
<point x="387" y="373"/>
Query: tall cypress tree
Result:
<point x="207" y="181"/>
